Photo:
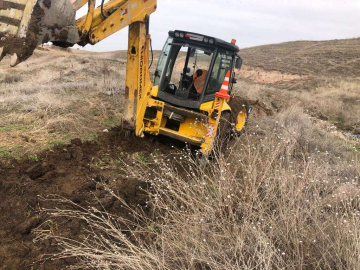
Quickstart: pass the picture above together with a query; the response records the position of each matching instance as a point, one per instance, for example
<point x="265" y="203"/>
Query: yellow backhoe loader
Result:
<point x="190" y="97"/>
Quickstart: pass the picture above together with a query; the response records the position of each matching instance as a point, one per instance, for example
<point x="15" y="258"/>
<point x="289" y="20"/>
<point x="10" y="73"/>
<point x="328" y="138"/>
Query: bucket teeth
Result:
<point x="1" y="53"/>
<point x="14" y="60"/>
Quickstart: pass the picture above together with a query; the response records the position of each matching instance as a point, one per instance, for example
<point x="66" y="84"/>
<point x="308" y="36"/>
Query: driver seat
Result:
<point x="199" y="79"/>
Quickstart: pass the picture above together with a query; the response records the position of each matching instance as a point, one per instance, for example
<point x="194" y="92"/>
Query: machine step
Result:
<point x="181" y="137"/>
<point x="187" y="113"/>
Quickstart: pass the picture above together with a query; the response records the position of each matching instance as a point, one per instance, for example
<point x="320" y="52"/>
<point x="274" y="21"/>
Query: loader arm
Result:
<point x="25" y="24"/>
<point x="118" y="15"/>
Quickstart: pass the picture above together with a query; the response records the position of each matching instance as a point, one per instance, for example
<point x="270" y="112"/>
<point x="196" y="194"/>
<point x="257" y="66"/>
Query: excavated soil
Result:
<point x="71" y="171"/>
<point x="25" y="46"/>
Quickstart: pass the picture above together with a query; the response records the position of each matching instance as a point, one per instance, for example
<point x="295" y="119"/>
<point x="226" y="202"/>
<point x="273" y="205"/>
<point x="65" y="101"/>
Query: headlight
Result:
<point x="211" y="41"/>
<point x="206" y="40"/>
<point x="182" y="35"/>
<point x="177" y="34"/>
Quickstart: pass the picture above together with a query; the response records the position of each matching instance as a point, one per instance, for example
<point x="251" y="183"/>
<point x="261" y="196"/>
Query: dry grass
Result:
<point x="336" y="101"/>
<point x="321" y="77"/>
<point x="338" y="58"/>
<point x="58" y="95"/>
<point x="272" y="202"/>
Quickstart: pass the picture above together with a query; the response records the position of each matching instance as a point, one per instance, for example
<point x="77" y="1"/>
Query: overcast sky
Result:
<point x="250" y="22"/>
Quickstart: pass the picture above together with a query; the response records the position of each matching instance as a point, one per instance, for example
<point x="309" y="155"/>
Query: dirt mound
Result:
<point x="71" y="171"/>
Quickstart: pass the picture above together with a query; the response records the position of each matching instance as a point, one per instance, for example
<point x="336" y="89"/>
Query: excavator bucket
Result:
<point x="25" y="24"/>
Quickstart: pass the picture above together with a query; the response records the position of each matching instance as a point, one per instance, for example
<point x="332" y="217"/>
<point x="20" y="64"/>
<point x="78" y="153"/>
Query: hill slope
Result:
<point x="323" y="76"/>
<point x="326" y="58"/>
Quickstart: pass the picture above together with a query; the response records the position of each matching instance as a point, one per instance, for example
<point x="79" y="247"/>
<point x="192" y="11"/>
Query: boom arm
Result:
<point x="118" y="15"/>
<point x="121" y="13"/>
<point x="24" y="24"/>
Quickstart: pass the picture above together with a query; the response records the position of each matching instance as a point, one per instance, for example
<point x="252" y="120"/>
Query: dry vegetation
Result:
<point x="321" y="77"/>
<point x="318" y="58"/>
<point x="274" y="201"/>
<point x="285" y="195"/>
<point x="58" y="95"/>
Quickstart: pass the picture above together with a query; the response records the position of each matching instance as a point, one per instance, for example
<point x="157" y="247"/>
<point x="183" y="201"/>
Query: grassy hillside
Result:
<point x="77" y="192"/>
<point x="322" y="77"/>
<point x="319" y="58"/>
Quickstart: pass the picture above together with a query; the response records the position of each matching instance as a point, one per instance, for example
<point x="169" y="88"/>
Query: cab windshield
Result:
<point x="189" y="72"/>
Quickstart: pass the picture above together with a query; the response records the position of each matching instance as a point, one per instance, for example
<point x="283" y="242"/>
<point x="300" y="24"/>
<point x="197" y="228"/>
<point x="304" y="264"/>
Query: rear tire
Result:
<point x="223" y="132"/>
<point x="239" y="114"/>
<point x="224" y="125"/>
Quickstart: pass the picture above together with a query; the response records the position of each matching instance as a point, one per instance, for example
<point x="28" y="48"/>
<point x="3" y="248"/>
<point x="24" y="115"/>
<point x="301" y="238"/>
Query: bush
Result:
<point x="266" y="204"/>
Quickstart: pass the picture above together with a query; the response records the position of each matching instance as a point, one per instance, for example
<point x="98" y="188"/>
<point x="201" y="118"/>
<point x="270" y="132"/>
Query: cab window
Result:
<point x="223" y="63"/>
<point x="162" y="61"/>
<point x="185" y="73"/>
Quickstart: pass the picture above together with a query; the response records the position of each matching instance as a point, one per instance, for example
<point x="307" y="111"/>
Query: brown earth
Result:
<point x="72" y="171"/>
<point x="268" y="77"/>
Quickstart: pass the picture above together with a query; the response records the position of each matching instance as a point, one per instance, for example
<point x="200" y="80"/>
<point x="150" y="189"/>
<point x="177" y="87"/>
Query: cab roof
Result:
<point x="200" y="39"/>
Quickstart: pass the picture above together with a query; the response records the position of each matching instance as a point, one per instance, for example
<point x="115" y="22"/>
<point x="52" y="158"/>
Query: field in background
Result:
<point x="58" y="95"/>
<point x="321" y="77"/>
<point x="283" y="196"/>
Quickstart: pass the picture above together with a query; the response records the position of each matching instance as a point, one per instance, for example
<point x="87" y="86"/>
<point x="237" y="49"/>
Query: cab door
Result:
<point x="222" y="64"/>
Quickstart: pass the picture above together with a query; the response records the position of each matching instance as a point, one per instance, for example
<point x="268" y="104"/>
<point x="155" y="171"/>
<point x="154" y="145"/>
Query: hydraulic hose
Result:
<point x="102" y="9"/>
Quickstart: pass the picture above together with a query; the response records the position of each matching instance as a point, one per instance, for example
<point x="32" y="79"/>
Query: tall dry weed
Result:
<point x="270" y="202"/>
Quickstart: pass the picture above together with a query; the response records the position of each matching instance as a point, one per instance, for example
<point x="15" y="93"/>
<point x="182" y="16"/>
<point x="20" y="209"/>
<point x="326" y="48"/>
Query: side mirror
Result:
<point x="238" y="63"/>
<point x="188" y="70"/>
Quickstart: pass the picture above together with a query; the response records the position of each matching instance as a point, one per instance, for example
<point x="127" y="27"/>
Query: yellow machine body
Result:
<point x="144" y="111"/>
<point x="198" y="128"/>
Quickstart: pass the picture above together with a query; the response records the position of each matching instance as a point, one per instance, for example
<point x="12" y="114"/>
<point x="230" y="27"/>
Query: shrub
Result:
<point x="265" y="204"/>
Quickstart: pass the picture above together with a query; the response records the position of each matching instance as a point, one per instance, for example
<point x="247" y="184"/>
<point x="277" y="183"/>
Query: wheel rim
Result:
<point x="241" y="120"/>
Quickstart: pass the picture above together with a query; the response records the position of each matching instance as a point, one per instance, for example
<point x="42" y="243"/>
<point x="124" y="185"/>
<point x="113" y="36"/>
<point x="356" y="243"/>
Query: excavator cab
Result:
<point x="191" y="100"/>
<point x="190" y="97"/>
<point x="192" y="68"/>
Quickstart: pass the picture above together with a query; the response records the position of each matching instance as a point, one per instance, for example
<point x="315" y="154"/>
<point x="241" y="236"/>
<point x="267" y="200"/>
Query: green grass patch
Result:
<point x="141" y="157"/>
<point x="34" y="157"/>
<point x="156" y="153"/>
<point x="90" y="136"/>
<point x="10" y="152"/>
<point x="110" y="122"/>
<point x="12" y="127"/>
<point x="55" y="142"/>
